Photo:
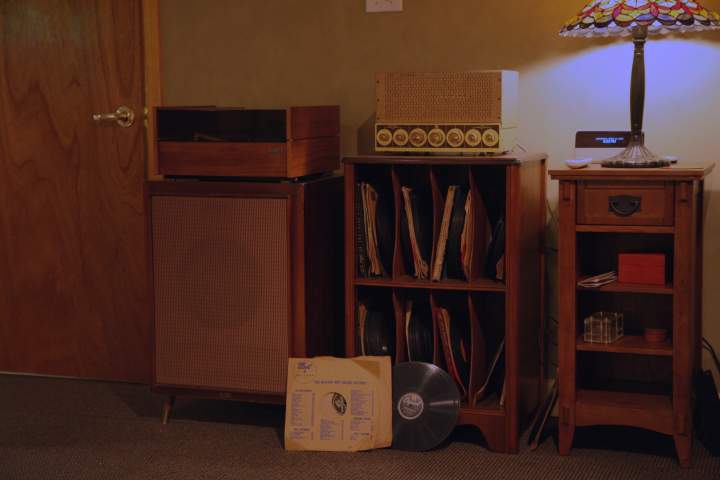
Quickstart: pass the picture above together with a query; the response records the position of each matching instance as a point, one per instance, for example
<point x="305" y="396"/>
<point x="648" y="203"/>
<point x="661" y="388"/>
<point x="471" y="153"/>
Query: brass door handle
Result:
<point x="124" y="117"/>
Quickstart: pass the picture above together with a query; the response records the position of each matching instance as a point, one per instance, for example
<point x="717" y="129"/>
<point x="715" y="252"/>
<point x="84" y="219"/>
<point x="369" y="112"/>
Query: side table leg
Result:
<point x="683" y="447"/>
<point x="565" y="438"/>
<point x="167" y="408"/>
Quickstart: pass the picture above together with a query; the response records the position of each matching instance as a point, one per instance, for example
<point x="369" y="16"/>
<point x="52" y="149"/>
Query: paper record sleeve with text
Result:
<point x="338" y="404"/>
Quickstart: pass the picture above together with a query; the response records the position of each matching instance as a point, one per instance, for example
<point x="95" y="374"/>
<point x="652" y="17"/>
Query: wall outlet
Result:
<point x="372" y="6"/>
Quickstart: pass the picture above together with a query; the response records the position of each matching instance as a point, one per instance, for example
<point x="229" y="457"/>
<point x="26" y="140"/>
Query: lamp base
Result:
<point x="636" y="155"/>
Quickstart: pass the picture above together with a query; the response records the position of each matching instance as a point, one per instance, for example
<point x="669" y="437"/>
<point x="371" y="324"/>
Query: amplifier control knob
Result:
<point x="455" y="137"/>
<point x="490" y="138"/>
<point x="473" y="137"/>
<point x="383" y="137"/>
<point x="400" y="137"/>
<point x="436" y="137"/>
<point x="418" y="137"/>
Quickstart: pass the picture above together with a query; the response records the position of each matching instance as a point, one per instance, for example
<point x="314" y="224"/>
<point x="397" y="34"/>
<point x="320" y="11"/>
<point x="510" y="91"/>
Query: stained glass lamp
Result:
<point x="639" y="18"/>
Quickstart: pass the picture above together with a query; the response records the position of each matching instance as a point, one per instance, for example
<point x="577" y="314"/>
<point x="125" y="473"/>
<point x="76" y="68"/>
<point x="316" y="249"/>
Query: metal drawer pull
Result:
<point x="624" y="205"/>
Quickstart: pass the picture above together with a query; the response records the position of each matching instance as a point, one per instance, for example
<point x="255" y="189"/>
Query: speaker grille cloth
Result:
<point x="450" y="97"/>
<point x="221" y="269"/>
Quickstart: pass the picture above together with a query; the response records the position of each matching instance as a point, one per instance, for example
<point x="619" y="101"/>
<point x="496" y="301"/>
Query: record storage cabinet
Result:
<point x="510" y="309"/>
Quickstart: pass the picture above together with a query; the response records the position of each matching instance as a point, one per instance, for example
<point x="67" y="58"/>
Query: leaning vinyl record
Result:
<point x="420" y="334"/>
<point x="379" y="334"/>
<point x="426" y="406"/>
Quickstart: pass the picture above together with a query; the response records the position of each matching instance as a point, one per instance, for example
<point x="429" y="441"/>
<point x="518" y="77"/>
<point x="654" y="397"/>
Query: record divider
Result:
<point x="478" y="366"/>
<point x="438" y="358"/>
<point x="438" y="202"/>
<point x="480" y="234"/>
<point x="400" y="340"/>
<point x="408" y="176"/>
<point x="398" y="264"/>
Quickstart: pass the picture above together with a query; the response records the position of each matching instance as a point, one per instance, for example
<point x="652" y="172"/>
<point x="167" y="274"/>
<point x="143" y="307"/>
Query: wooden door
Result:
<point x="73" y="281"/>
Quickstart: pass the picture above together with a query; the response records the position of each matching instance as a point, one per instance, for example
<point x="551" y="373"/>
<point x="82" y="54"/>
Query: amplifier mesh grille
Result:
<point x="221" y="272"/>
<point x="449" y="97"/>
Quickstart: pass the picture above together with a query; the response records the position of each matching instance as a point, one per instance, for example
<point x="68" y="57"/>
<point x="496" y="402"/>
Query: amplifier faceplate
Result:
<point x="444" y="138"/>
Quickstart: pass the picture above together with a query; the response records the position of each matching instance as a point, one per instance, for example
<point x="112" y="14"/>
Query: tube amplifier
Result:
<point x="447" y="112"/>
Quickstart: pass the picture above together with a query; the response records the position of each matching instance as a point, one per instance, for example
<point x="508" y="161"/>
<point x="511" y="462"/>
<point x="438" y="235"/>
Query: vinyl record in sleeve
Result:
<point x="420" y="339"/>
<point x="384" y="228"/>
<point x="460" y="340"/>
<point x="421" y="226"/>
<point x="496" y="250"/>
<point x="453" y="257"/>
<point x="426" y="406"/>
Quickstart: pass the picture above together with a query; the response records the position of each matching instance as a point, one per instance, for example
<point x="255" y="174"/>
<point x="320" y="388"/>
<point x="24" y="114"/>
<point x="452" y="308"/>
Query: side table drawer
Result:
<point x="625" y="203"/>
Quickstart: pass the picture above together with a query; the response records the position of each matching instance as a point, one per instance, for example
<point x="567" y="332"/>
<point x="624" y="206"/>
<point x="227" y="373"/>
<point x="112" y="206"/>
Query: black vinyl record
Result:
<point x="379" y="335"/>
<point x="420" y="336"/>
<point x="384" y="228"/>
<point x="426" y="406"/>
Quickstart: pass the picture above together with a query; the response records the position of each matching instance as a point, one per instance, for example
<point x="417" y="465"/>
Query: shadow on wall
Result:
<point x="366" y="137"/>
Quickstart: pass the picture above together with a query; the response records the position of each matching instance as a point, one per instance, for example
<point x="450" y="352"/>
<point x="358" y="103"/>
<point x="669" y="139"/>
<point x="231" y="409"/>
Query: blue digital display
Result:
<point x="609" y="140"/>
<point x="602" y="139"/>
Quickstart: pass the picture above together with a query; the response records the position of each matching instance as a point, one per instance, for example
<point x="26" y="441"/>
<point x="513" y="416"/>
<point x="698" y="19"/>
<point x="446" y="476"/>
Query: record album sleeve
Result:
<point x="338" y="404"/>
<point x="453" y="255"/>
<point x="455" y="341"/>
<point x="360" y="240"/>
<point x="494" y="267"/>
<point x="441" y="248"/>
<point x="416" y="231"/>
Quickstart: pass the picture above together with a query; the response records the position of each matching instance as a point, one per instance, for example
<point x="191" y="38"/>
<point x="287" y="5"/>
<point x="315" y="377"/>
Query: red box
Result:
<point x="648" y="268"/>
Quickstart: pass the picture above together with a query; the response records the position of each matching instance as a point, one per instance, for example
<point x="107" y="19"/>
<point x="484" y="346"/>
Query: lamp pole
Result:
<point x="636" y="154"/>
<point x="637" y="85"/>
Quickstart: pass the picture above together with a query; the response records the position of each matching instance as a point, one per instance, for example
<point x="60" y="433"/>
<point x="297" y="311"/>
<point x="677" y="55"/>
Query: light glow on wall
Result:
<point x="590" y="90"/>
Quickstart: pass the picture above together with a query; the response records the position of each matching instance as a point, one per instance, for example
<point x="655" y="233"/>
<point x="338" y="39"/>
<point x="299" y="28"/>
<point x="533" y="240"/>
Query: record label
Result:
<point x="410" y="406"/>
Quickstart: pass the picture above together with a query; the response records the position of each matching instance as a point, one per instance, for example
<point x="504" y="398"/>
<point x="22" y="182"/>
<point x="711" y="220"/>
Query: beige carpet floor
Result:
<point x="76" y="430"/>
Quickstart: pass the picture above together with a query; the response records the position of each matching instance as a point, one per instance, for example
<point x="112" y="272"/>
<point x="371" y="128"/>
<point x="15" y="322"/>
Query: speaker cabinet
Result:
<point x="245" y="274"/>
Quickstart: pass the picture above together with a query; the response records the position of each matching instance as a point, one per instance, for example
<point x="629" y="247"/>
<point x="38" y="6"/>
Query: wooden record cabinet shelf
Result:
<point x="509" y="309"/>
<point x="631" y="382"/>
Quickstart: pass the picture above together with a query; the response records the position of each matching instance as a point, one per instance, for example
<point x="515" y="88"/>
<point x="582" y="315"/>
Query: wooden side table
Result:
<point x="632" y="381"/>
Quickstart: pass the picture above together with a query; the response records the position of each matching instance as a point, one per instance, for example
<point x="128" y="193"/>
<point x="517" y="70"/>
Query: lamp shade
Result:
<point x="619" y="17"/>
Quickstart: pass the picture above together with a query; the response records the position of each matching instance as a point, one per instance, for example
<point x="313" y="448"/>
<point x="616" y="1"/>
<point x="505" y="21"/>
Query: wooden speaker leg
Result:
<point x="167" y="408"/>
<point x="565" y="438"/>
<point x="683" y="447"/>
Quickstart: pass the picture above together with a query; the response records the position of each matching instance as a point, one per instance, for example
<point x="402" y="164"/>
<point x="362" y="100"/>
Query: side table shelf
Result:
<point x="628" y="344"/>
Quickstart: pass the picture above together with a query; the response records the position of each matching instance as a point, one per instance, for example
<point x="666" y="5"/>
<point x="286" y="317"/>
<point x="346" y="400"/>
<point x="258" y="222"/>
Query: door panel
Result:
<point x="73" y="281"/>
